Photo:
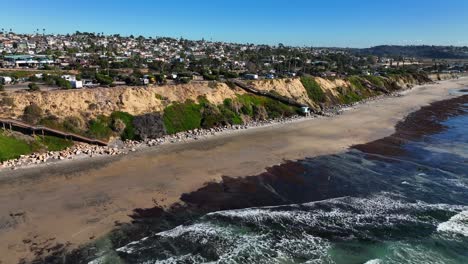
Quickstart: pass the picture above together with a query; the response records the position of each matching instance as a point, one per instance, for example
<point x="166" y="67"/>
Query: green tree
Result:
<point x="33" y="87"/>
<point x="104" y="79"/>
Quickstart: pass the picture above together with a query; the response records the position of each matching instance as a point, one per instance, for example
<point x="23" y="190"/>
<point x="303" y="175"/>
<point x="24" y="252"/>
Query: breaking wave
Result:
<point x="300" y="233"/>
<point x="385" y="202"/>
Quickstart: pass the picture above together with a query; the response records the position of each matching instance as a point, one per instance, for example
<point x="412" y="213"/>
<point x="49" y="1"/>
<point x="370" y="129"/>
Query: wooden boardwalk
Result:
<point x="17" y="125"/>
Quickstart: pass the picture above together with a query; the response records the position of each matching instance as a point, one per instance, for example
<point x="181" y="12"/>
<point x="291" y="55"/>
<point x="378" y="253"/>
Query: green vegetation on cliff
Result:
<point x="190" y="115"/>
<point x="356" y="82"/>
<point x="375" y="80"/>
<point x="100" y="127"/>
<point x="12" y="148"/>
<point x="182" y="116"/>
<point x="54" y="143"/>
<point x="220" y="115"/>
<point x="349" y="96"/>
<point x="122" y="123"/>
<point x="251" y="104"/>
<point x="314" y="91"/>
<point x="118" y="123"/>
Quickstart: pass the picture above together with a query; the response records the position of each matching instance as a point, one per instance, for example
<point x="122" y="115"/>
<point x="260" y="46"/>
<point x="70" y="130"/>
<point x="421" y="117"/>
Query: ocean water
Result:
<point x="403" y="199"/>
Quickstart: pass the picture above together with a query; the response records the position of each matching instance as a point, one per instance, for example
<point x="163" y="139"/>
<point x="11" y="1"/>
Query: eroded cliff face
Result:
<point x="291" y="88"/>
<point x="338" y="91"/>
<point x="89" y="103"/>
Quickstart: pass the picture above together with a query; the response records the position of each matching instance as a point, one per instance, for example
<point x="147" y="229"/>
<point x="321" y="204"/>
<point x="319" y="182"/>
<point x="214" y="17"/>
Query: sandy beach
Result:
<point x="78" y="201"/>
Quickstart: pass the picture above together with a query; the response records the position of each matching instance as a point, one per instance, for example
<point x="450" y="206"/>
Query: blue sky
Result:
<point x="351" y="23"/>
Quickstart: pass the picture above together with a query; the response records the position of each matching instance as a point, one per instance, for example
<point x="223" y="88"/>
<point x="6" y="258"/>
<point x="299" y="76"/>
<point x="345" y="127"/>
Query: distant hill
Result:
<point x="430" y="52"/>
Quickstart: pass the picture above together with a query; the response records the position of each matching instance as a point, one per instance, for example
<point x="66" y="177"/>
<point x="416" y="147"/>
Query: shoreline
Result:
<point x="296" y="182"/>
<point x="85" y="152"/>
<point x="81" y="203"/>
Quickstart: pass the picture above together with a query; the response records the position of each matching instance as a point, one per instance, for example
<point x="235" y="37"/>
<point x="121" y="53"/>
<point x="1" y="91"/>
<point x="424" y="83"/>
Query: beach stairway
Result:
<point x="277" y="97"/>
<point x="16" y="125"/>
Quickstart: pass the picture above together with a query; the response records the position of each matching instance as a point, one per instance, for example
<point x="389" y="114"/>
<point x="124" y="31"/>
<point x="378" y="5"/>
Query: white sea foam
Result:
<point x="283" y="233"/>
<point x="128" y="248"/>
<point x="374" y="261"/>
<point x="458" y="224"/>
<point x="100" y="260"/>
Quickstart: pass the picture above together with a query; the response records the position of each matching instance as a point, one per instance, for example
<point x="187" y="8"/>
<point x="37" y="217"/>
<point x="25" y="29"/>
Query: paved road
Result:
<point x="24" y="86"/>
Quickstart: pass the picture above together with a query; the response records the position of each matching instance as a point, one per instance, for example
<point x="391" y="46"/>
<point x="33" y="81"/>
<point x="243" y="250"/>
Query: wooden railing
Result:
<point x="251" y="89"/>
<point x="12" y="124"/>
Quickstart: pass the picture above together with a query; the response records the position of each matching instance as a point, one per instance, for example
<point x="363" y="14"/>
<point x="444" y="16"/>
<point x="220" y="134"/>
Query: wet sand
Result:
<point x="76" y="202"/>
<point x="304" y="181"/>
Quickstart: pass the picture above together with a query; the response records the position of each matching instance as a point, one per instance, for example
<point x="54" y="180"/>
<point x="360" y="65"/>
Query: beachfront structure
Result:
<point x="305" y="110"/>
<point x="30" y="61"/>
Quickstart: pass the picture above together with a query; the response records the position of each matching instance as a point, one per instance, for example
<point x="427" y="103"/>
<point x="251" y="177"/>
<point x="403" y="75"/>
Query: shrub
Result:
<point x="160" y="97"/>
<point x="127" y="130"/>
<point x="92" y="106"/>
<point x="213" y="85"/>
<point x="182" y="116"/>
<point x="229" y="74"/>
<point x="356" y="82"/>
<point x="54" y="143"/>
<point x="273" y="108"/>
<point x="118" y="125"/>
<point x="185" y="80"/>
<point x="259" y="112"/>
<point x="73" y="124"/>
<point x="210" y="77"/>
<point x="350" y="97"/>
<point x="63" y="83"/>
<point x="233" y="105"/>
<point x="212" y="116"/>
<point x="52" y="121"/>
<point x="32" y="113"/>
<point x="99" y="128"/>
<point x="230" y="116"/>
<point x="276" y="109"/>
<point x="375" y="80"/>
<point x="314" y="91"/>
<point x="231" y="85"/>
<point x="33" y="87"/>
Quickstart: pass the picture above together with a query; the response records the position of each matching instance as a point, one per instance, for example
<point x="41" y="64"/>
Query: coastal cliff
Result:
<point x="182" y="107"/>
<point x="88" y="103"/>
